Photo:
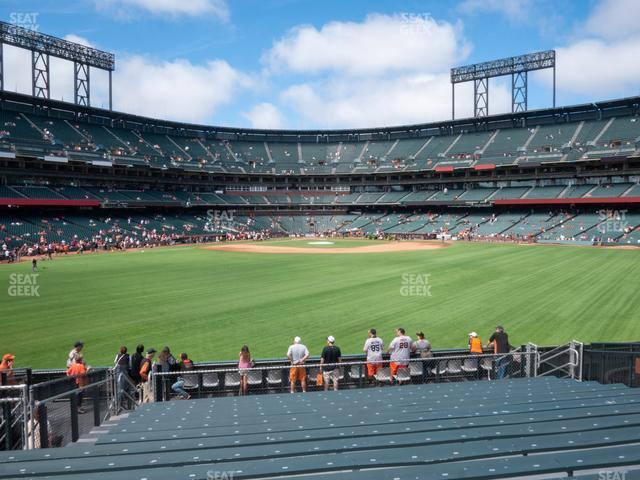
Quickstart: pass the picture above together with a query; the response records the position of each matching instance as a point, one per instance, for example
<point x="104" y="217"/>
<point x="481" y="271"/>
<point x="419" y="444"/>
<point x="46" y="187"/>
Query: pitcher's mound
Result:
<point x="377" y="248"/>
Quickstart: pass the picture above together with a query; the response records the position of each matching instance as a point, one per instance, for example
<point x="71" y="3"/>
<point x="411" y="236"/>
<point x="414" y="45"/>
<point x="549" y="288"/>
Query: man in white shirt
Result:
<point x="373" y="347"/>
<point x="75" y="353"/>
<point x="400" y="349"/>
<point x="297" y="355"/>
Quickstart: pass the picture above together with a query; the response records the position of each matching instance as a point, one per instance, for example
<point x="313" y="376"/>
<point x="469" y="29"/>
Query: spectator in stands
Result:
<point x="145" y="375"/>
<point x="184" y="365"/>
<point x="501" y="346"/>
<point x="244" y="364"/>
<point x="373" y="347"/>
<point x="75" y="353"/>
<point x="135" y="363"/>
<point x="297" y="355"/>
<point x="400" y="350"/>
<point x="166" y="361"/>
<point x="422" y="348"/>
<point x="79" y="370"/>
<point x="329" y="359"/>
<point x="475" y="349"/>
<point x="121" y="362"/>
<point x="6" y="369"/>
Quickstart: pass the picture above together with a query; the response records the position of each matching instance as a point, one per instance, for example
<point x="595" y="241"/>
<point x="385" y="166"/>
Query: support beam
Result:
<point x="42" y="48"/>
<point x="518" y="67"/>
<point x="81" y="82"/>
<point x="554" y="85"/>
<point x="481" y="97"/>
<point x="1" y="66"/>
<point x="519" y="94"/>
<point x="40" y="74"/>
<point x="453" y="101"/>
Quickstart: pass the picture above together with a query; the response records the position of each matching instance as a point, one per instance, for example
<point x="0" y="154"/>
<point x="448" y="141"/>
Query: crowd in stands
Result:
<point x="139" y="367"/>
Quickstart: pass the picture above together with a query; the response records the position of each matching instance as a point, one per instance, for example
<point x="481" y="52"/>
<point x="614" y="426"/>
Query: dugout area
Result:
<point x="475" y="430"/>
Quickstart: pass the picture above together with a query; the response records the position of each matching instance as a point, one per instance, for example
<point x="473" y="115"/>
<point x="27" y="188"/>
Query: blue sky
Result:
<point x="329" y="64"/>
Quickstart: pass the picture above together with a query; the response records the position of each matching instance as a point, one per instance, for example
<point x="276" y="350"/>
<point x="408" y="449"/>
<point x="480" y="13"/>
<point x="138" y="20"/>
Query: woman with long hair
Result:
<point x="243" y="365"/>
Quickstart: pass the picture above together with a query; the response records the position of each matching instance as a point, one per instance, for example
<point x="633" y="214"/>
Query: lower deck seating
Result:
<point x="481" y="430"/>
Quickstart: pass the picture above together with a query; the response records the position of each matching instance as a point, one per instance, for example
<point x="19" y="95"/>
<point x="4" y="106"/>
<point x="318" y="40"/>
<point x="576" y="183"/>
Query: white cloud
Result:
<point x="129" y="9"/>
<point x="177" y="90"/>
<point x="515" y="10"/>
<point x="71" y="37"/>
<point x="601" y="60"/>
<point x="598" y="68"/>
<point x="264" y="115"/>
<point x="384" y="70"/>
<point x="379" y="44"/>
<point x="375" y="102"/>
<point x="614" y="19"/>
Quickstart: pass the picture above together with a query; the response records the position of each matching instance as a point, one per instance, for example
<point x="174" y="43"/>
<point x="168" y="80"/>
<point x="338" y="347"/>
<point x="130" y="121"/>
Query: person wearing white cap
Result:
<point x="297" y="355"/>
<point x="329" y="359"/>
<point x="475" y="344"/>
<point x="475" y="348"/>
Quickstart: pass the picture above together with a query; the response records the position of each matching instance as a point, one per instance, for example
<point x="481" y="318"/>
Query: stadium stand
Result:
<point x="511" y="428"/>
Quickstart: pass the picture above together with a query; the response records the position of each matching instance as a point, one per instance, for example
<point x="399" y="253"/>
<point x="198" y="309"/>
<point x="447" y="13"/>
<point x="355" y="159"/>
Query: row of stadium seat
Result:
<point x="562" y="142"/>
<point x="622" y="190"/>
<point x="622" y="227"/>
<point x="480" y="430"/>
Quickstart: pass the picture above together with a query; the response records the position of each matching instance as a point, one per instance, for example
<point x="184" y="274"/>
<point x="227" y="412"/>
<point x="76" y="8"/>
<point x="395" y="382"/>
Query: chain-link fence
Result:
<point x="66" y="408"/>
<point x="278" y="378"/>
<point x="14" y="413"/>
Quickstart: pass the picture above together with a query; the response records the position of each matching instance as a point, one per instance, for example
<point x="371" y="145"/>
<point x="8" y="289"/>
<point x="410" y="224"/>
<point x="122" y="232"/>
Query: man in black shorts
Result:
<point x="330" y="357"/>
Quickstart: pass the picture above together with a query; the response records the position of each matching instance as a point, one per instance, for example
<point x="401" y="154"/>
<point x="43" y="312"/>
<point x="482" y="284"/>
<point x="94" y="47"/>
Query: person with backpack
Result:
<point x="145" y="375"/>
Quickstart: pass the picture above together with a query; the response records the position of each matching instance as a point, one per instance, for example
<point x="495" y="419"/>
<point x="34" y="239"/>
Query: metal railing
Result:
<point x="610" y="366"/>
<point x="564" y="361"/>
<point x="350" y="374"/>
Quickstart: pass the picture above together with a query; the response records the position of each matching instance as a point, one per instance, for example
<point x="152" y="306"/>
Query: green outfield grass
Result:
<point x="209" y="303"/>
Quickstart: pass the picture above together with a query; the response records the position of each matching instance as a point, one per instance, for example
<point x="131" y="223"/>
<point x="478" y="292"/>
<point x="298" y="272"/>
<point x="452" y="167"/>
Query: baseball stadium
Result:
<point x="407" y="296"/>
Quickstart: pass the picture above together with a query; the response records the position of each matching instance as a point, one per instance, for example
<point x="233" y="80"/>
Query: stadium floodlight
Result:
<point x="42" y="47"/>
<point x="517" y="67"/>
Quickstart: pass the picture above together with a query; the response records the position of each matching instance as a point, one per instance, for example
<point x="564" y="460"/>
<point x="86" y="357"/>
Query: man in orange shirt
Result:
<point x="79" y="370"/>
<point x="6" y="368"/>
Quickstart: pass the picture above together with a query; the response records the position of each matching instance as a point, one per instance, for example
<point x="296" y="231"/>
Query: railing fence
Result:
<point x="351" y="374"/>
